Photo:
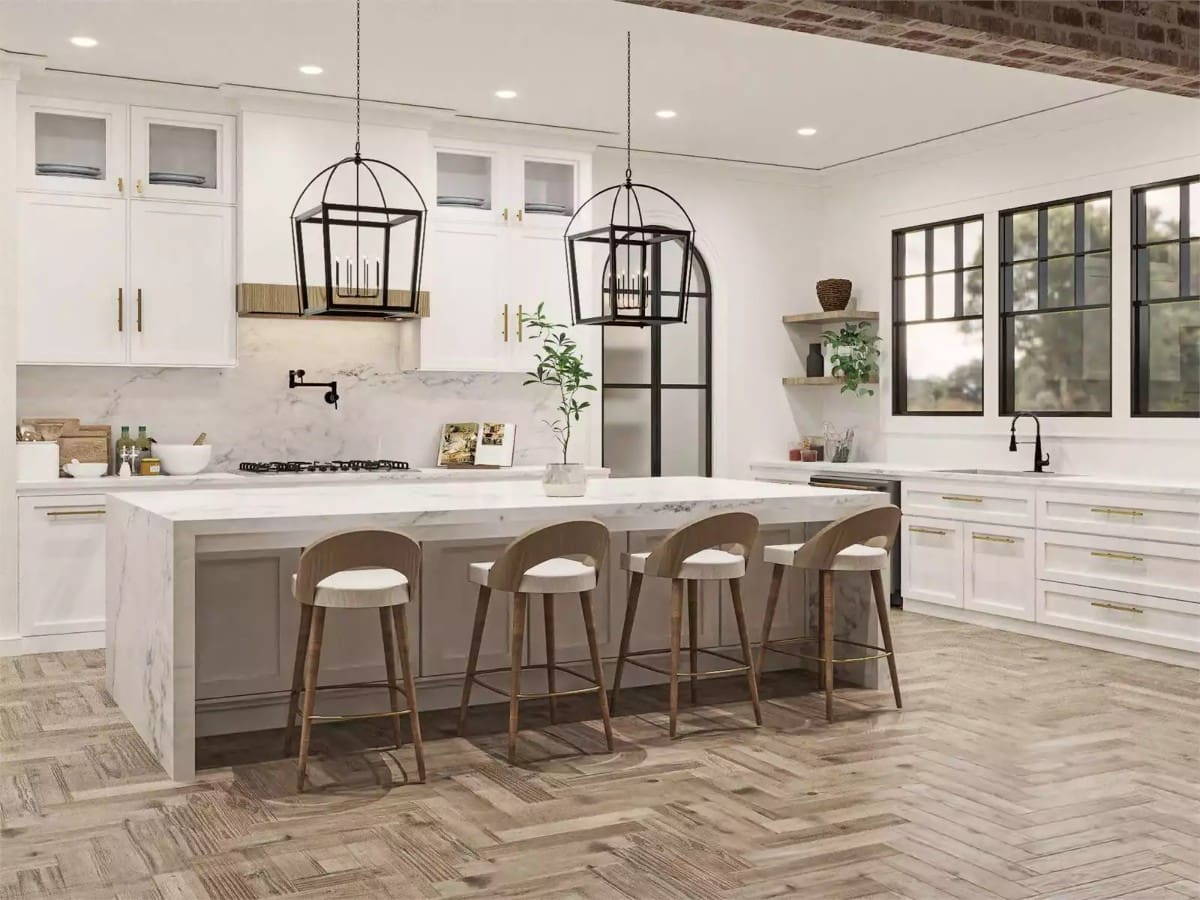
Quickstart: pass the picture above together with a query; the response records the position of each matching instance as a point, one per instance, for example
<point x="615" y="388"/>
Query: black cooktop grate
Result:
<point x="332" y="465"/>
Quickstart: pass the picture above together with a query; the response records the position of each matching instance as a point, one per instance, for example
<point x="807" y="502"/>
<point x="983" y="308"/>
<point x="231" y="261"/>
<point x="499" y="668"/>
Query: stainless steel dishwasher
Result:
<point x="883" y="486"/>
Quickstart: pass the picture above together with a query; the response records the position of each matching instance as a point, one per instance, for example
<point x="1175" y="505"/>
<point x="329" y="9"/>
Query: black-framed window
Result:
<point x="656" y="391"/>
<point x="1055" y="308"/>
<point x="937" y="319"/>
<point x="1166" y="299"/>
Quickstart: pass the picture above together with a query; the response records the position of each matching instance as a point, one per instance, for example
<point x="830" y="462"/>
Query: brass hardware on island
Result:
<point x="139" y="185"/>
<point x="962" y="499"/>
<point x="506" y="313"/>
<point x="1117" y="606"/>
<point x="921" y="530"/>
<point x="120" y="309"/>
<point x="1110" y="511"/>
<point x="1105" y="554"/>
<point x="98" y="511"/>
<point x="520" y="215"/>
<point x="505" y="214"/>
<point x="120" y="185"/>
<point x="139" y="310"/>
<point x="994" y="538"/>
<point x="520" y="325"/>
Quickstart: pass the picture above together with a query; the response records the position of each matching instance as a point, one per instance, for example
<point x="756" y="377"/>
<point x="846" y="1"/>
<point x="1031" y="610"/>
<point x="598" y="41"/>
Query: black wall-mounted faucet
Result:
<point x="1039" y="461"/>
<point x="296" y="379"/>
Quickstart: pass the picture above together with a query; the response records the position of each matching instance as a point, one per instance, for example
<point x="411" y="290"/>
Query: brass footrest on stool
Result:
<point x="773" y="646"/>
<point x="390" y="685"/>
<point x="593" y="685"/>
<point x="741" y="668"/>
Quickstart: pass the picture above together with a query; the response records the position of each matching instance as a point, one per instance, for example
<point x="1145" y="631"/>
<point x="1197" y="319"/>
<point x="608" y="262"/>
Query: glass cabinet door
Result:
<point x="72" y="147"/>
<point x="549" y="191"/>
<point x="182" y="156"/>
<point x="467" y="188"/>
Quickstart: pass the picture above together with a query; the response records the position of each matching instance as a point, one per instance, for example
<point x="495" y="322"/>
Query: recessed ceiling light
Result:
<point x="311" y="70"/>
<point x="806" y="132"/>
<point x="666" y="113"/>
<point x="506" y="94"/>
<point x="81" y="41"/>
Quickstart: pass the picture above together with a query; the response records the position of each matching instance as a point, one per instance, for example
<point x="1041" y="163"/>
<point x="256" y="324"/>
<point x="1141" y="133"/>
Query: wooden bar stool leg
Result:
<point x="827" y="640"/>
<point x="693" y="592"/>
<point x="387" y="628"/>
<point x="739" y="614"/>
<point x="676" y="640"/>
<point x="885" y="628"/>
<point x="631" y="604"/>
<point x="400" y="618"/>
<point x="289" y="734"/>
<point x="481" y="608"/>
<point x="548" y="617"/>
<point x="769" y="616"/>
<point x="589" y="626"/>
<point x="520" y="606"/>
<point x="312" y="664"/>
<point x="820" y="630"/>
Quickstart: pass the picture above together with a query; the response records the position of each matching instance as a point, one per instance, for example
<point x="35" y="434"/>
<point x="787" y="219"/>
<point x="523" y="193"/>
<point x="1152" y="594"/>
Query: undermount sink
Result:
<point x="996" y="472"/>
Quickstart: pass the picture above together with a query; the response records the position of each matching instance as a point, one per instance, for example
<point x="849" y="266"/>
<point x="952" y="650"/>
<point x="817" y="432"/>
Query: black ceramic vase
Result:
<point x="814" y="364"/>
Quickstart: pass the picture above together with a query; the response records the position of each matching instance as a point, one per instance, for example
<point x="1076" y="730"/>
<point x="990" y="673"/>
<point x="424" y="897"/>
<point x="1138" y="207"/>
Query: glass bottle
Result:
<point x="126" y="450"/>
<point x="143" y="448"/>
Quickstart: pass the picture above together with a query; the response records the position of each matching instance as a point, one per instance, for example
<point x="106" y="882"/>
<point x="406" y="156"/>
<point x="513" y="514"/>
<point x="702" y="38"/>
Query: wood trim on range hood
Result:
<point x="279" y="301"/>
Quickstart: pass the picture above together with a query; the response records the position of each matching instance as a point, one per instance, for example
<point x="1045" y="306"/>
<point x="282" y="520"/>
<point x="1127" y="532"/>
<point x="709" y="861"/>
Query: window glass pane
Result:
<point x="1096" y="222"/>
<point x="945" y="366"/>
<point x="1097" y="279"/>
<point x="914" y="252"/>
<point x="627" y="431"/>
<point x="1060" y="282"/>
<point x="972" y="243"/>
<point x="1164" y="270"/>
<point x="1194" y="209"/>
<point x="1060" y="229"/>
<point x="943" y="295"/>
<point x="1024" y="286"/>
<point x="683" y="431"/>
<point x="627" y="355"/>
<point x="682" y="347"/>
<point x="1024" y="234"/>
<point x="1162" y="213"/>
<point x="914" y="299"/>
<point x="1194" y="276"/>
<point x="1174" y="356"/>
<point x="1062" y="361"/>
<point x="973" y="292"/>
<point x="943" y="248"/>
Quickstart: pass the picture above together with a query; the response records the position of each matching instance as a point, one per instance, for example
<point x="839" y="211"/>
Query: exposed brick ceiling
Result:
<point x="1155" y="46"/>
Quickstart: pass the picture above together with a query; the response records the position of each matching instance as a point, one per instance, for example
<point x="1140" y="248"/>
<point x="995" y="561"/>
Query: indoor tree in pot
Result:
<point x="560" y="365"/>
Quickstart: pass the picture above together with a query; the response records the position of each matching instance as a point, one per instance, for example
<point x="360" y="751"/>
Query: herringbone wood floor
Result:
<point x="1019" y="768"/>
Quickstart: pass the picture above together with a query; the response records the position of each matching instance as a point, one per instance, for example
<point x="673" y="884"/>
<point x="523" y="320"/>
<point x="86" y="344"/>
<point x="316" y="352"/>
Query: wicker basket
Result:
<point x="833" y="293"/>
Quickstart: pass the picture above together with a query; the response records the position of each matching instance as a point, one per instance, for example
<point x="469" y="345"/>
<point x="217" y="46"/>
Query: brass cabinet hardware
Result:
<point x="505" y="312"/>
<point x="961" y="499"/>
<point x="921" y="530"/>
<point x="520" y="325"/>
<point x="1110" y="511"/>
<point x="98" y="511"/>
<point x="1105" y="554"/>
<point x="994" y="538"/>
<point x="120" y="309"/>
<point x="1117" y="606"/>
<point x="120" y="185"/>
<point x="520" y="215"/>
<point x="505" y="214"/>
<point x="139" y="310"/>
<point x="138" y="185"/>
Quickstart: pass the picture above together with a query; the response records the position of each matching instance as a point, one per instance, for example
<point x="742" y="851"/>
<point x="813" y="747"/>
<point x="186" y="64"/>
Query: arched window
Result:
<point x="656" y="396"/>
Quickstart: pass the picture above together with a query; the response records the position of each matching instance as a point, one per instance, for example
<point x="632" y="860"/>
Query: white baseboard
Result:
<point x="52" y="643"/>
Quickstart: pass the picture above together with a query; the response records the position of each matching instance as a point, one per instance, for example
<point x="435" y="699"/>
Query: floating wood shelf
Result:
<point x="800" y="381"/>
<point x="830" y="318"/>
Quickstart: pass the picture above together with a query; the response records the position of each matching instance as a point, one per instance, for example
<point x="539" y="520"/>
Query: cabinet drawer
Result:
<point x="998" y="570"/>
<point x="969" y="502"/>
<point x="1140" y="567"/>
<point x="1158" y="517"/>
<point x="931" y="561"/>
<point x="1150" y="620"/>
<point x="60" y="564"/>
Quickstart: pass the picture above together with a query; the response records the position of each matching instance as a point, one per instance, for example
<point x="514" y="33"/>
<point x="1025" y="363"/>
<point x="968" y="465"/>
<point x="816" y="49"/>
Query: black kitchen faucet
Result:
<point x="1039" y="461"/>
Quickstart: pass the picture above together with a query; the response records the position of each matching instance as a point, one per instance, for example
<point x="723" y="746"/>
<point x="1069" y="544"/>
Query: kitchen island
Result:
<point x="170" y="628"/>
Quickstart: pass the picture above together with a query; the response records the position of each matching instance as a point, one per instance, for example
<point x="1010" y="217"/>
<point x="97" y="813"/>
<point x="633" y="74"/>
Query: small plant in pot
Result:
<point x="560" y="365"/>
<point x="854" y="356"/>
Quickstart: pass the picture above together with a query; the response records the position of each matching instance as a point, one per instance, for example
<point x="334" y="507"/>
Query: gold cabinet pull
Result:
<point x="922" y="530"/>
<point x="120" y="309"/>
<point x="520" y="215"/>
<point x="506" y="313"/>
<point x="961" y="499"/>
<point x="138" y="184"/>
<point x="994" y="538"/>
<point x="120" y="185"/>
<point x="1119" y="607"/>
<point x="505" y="214"/>
<point x="520" y="325"/>
<point x="1110" y="511"/>
<point x="1105" y="554"/>
<point x="98" y="511"/>
<point x="139" y="310"/>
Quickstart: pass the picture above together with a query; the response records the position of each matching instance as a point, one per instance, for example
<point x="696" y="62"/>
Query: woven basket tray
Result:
<point x="833" y="293"/>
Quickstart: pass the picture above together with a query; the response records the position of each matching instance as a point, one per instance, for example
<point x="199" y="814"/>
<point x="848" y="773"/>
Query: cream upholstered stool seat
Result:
<point x="365" y="569"/>
<point x="689" y="555"/>
<point x="855" y="543"/>
<point x="551" y="561"/>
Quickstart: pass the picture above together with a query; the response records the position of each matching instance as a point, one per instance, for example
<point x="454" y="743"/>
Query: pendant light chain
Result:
<point x="357" y="78"/>
<point x="628" y="108"/>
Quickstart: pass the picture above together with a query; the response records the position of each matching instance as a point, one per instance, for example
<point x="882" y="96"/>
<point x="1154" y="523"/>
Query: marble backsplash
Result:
<point x="249" y="413"/>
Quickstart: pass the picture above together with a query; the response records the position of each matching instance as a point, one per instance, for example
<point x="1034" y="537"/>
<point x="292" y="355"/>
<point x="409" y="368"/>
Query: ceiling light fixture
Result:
<point x="506" y="94"/>
<point x="806" y="132"/>
<point x="82" y="41"/>
<point x="666" y="113"/>
<point x="311" y="70"/>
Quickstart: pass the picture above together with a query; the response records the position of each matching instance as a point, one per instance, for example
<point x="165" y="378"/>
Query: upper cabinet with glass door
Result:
<point x="181" y="156"/>
<point x="549" y="189"/>
<point x="72" y="147"/>
<point x="468" y="185"/>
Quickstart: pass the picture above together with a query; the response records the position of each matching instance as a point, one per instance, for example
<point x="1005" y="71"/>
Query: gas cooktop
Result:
<point x="332" y="465"/>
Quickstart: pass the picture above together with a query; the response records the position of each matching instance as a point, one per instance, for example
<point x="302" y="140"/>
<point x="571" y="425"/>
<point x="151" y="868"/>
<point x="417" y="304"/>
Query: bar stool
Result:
<point x="687" y="556"/>
<point x="355" y="570"/>
<point x="540" y="562"/>
<point x="859" y="542"/>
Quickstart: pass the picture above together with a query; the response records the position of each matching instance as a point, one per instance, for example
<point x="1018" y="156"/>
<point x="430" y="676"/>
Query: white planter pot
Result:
<point x="565" y="480"/>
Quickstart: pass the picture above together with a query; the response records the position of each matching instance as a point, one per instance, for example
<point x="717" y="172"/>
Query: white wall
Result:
<point x="1109" y="144"/>
<point x="8" y="353"/>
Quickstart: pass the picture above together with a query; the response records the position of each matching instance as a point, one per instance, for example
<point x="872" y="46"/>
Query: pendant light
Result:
<point x="634" y="273"/>
<point x="350" y="245"/>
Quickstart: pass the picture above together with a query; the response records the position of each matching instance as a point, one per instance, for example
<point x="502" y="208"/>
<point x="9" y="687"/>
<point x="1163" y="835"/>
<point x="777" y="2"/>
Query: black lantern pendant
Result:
<point x="349" y="254"/>
<point x="644" y="270"/>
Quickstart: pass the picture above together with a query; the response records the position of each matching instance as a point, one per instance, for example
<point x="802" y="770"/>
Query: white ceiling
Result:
<point x="740" y="91"/>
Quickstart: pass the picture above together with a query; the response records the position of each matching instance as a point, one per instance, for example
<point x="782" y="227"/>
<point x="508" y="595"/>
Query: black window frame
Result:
<point x="1139" y="355"/>
<point x="1007" y="316"/>
<point x="899" y="324"/>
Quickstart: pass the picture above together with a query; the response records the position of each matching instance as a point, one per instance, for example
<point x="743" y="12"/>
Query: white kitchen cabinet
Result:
<point x="1154" y="568"/>
<point x="60" y="565"/>
<point x="931" y="560"/>
<point x="71" y="290"/>
<point x="89" y="136"/>
<point x="998" y="570"/>
<point x="1161" y="621"/>
<point x="969" y="501"/>
<point x="177" y="155"/>
<point x="1159" y="517"/>
<point x="182" y="275"/>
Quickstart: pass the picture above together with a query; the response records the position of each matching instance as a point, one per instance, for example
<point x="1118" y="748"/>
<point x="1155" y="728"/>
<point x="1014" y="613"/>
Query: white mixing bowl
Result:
<point x="183" y="459"/>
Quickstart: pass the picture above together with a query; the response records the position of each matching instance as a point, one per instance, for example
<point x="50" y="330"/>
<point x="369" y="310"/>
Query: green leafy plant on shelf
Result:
<point x="559" y="365"/>
<point x="854" y="356"/>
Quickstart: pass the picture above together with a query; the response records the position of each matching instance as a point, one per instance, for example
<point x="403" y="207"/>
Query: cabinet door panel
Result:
<point x="932" y="560"/>
<point x="182" y="263"/>
<point x="174" y="143"/>
<point x="539" y="275"/>
<point x="61" y="565"/>
<point x="998" y="575"/>
<point x="75" y="132"/>
<point x="70" y="268"/>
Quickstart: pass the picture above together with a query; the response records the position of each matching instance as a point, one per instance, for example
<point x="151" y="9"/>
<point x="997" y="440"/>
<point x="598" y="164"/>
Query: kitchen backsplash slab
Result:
<point x="249" y="413"/>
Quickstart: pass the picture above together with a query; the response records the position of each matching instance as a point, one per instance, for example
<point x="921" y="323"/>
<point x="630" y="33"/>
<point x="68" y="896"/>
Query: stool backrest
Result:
<point x="584" y="538"/>
<point x="358" y="549"/>
<point x="732" y="529"/>
<point x="873" y="527"/>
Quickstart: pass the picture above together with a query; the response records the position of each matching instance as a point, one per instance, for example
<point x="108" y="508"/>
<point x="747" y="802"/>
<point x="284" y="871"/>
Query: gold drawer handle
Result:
<point x="75" y="512"/>
<point x="920" y="530"/>
<point x="1117" y="606"/>
<point x="1109" y="511"/>
<point x="962" y="499"/>
<point x="120" y="309"/>
<point x="505" y="332"/>
<point x="1105" y="554"/>
<point x="520" y="323"/>
<point x="994" y="538"/>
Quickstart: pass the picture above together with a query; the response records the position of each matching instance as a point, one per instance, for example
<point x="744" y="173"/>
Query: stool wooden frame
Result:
<point x="736" y="530"/>
<point x="340" y="552"/>
<point x="585" y="539"/>
<point x="872" y="528"/>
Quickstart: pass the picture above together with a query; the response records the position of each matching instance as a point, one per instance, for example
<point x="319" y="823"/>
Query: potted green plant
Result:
<point x="854" y="356"/>
<point x="560" y="365"/>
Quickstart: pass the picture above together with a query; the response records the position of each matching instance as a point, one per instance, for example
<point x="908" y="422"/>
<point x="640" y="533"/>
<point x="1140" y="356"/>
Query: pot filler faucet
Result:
<point x="296" y="380"/>
<point x="1039" y="461"/>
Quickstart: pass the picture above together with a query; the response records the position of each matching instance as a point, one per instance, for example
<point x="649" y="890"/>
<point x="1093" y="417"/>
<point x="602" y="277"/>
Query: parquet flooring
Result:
<point x="1019" y="768"/>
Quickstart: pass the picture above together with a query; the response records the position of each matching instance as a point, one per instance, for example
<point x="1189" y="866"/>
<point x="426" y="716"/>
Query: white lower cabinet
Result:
<point x="931" y="560"/>
<point x="1150" y="620"/>
<point x="1140" y="567"/>
<point x="998" y="570"/>
<point x="60" y="565"/>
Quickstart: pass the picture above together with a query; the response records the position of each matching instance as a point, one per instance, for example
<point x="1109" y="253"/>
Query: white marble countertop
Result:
<point x="788" y="469"/>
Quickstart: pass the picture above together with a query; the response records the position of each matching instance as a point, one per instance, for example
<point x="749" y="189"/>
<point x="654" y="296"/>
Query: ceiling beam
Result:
<point x="1149" y="45"/>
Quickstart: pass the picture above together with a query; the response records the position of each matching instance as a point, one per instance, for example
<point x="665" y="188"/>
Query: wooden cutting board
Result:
<point x="87" y="443"/>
